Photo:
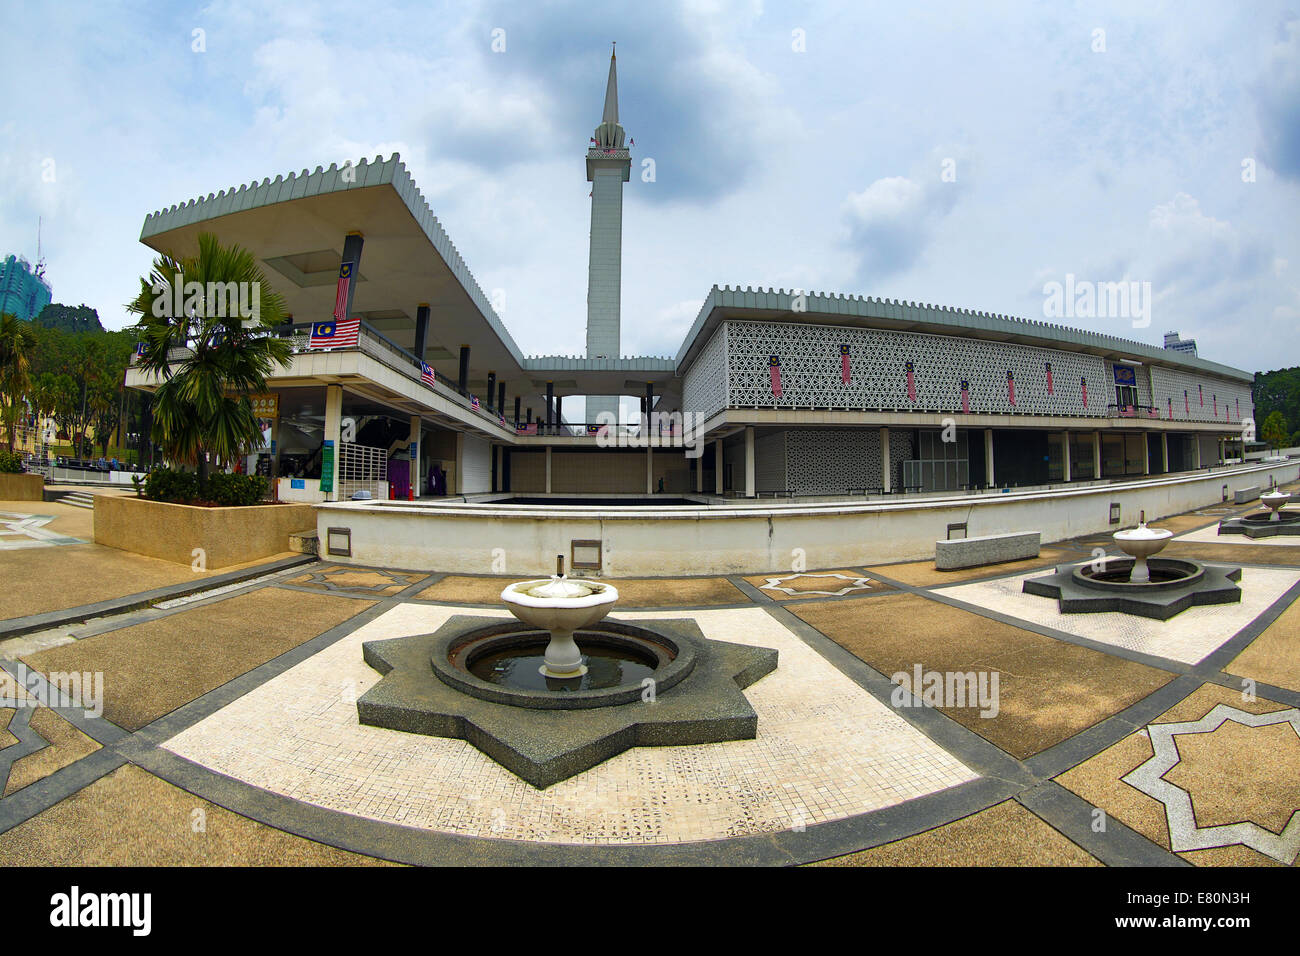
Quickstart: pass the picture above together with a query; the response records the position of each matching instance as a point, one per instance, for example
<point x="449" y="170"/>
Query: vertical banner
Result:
<point x="1216" y="406"/>
<point x="844" y="364"/>
<point x="1238" y="401"/>
<point x="774" y="371"/>
<point x="1083" y="388"/>
<point x="1201" y="393"/>
<point x="1011" y="387"/>
<point x="911" y="382"/>
<point x="1170" y="400"/>
<point x="1187" y="404"/>
<point x="1048" y="367"/>
<point x="341" y="295"/>
<point x="965" y="396"/>
<point x="327" y="466"/>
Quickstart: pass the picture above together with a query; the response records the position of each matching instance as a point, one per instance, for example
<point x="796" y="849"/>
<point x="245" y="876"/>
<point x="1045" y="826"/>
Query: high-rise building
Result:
<point x="23" y="291"/>
<point x="1176" y="343"/>
<point x="609" y="166"/>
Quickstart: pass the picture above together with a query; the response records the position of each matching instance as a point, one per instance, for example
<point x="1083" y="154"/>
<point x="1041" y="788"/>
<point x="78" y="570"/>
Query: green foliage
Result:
<point x="209" y="362"/>
<point x="1277" y="391"/>
<point x="185" y="487"/>
<point x="69" y="318"/>
<point x="1274" y="430"/>
<point x="10" y="462"/>
<point x="17" y="344"/>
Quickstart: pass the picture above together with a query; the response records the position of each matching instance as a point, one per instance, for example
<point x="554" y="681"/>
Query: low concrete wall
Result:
<point x="751" y="538"/>
<point x="173" y="532"/>
<point x="985" y="549"/>
<point x="15" y="487"/>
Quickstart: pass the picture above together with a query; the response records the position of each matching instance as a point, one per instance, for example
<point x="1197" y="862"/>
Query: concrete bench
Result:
<point x="986" y="549"/>
<point x="1242" y="495"/>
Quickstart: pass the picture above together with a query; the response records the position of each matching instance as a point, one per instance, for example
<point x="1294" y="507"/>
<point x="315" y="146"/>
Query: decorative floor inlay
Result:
<point x="826" y="749"/>
<point x="1187" y="637"/>
<point x="368" y="580"/>
<point x="854" y="584"/>
<point x="1211" y="535"/>
<point x="28" y="531"/>
<point x="1184" y="833"/>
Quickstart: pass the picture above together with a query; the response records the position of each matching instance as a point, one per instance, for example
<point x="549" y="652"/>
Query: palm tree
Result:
<point x="17" y="342"/>
<point x="209" y="362"/>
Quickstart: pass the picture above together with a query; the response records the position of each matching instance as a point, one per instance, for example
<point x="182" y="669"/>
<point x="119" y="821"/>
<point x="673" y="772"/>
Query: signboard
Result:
<point x="265" y="405"/>
<point x="1125" y="375"/>
<point x="327" y="466"/>
<point x="415" y="450"/>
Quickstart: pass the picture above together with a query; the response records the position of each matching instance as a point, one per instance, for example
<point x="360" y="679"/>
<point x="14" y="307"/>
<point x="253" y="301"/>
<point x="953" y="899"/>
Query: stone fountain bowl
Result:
<point x="559" y="605"/>
<point x="1142" y="542"/>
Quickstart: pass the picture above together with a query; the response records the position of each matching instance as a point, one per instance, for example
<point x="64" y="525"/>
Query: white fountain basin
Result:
<point x="1140" y="543"/>
<point x="561" y="607"/>
<point x="1274" y="500"/>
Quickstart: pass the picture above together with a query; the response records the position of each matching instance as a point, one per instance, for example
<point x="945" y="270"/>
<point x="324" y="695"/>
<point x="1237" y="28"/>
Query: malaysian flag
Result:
<point x="1201" y="393"/>
<point x="334" y="335"/>
<point x="1187" y="404"/>
<point x="774" y="372"/>
<point x="1216" y="406"/>
<point x="529" y="428"/>
<point x="473" y="401"/>
<point x="1083" y="387"/>
<point x="1011" y="388"/>
<point x="844" y="365"/>
<point x="965" y="396"/>
<point x="341" y="294"/>
<point x="1048" y="366"/>
<point x="911" y="382"/>
<point x="426" y="374"/>
<point x="1170" y="401"/>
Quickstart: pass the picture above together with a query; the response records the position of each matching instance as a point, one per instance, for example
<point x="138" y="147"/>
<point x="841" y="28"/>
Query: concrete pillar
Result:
<point x="490" y="398"/>
<point x="333" y="428"/>
<point x="649" y="403"/>
<point x="988" y="458"/>
<point x="421" y="329"/>
<point x="517" y="404"/>
<point x="460" y="465"/>
<point x="548" y="469"/>
<point x="550" y="403"/>
<point x="1196" y="443"/>
<point x="1164" y="452"/>
<point x="1146" y="453"/>
<point x="462" y="376"/>
<point x="559" y="410"/>
<point x="699" y="474"/>
<point x="885" y="483"/>
<point x="1065" y="450"/>
<point x="1096" y="454"/>
<point x="501" y="398"/>
<point x="351" y="262"/>
<point x="414" y="452"/>
<point x="717" y="466"/>
<point x="649" y="469"/>
<point x="498" y="483"/>
<point x="749" y="461"/>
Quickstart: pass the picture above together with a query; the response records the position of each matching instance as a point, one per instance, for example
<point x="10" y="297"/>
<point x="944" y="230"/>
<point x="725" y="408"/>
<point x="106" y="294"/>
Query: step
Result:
<point x="304" y="542"/>
<point x="79" y="499"/>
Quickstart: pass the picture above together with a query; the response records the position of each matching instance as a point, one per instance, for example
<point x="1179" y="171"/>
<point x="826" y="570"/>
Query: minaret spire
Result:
<point x="611" y="93"/>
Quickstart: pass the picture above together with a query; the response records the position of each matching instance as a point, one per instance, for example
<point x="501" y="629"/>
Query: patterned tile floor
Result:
<point x="840" y="771"/>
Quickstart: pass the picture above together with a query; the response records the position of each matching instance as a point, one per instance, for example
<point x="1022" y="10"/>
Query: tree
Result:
<point x="1274" y="433"/>
<point x="17" y="343"/>
<point x="210" y="358"/>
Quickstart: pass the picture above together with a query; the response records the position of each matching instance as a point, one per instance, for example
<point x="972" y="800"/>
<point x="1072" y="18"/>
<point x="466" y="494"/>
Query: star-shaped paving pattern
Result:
<point x="373" y="580"/>
<point x="547" y="746"/>
<point x="779" y="583"/>
<point x="1154" y="779"/>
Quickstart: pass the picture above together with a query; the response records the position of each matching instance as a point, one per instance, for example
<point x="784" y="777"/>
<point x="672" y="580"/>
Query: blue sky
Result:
<point x="795" y="145"/>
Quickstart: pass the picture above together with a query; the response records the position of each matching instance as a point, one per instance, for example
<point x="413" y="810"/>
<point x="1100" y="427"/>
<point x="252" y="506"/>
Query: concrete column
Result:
<point x="988" y="458"/>
<point x="333" y="428"/>
<point x="885" y="476"/>
<point x="749" y="461"/>
<point x="1065" y="449"/>
<point x="501" y="398"/>
<point x="550" y="403"/>
<point x="699" y="474"/>
<point x="649" y="469"/>
<point x="489" y="400"/>
<point x="1196" y="443"/>
<point x="517" y="403"/>
<point x="499" y="484"/>
<point x="414" y="453"/>
<point x="559" y="410"/>
<point x="548" y="469"/>
<point x="352" y="244"/>
<point x="460" y="465"/>
<point x="717" y="466"/>
<point x="462" y="376"/>
<point x="1164" y="452"/>
<point x="1146" y="454"/>
<point x="1096" y="454"/>
<point x="421" y="329"/>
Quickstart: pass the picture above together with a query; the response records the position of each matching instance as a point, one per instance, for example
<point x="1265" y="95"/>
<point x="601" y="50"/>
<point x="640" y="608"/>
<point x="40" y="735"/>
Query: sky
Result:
<point x="963" y="154"/>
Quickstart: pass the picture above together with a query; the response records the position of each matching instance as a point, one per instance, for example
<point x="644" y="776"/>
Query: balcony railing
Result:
<point x="1132" y="411"/>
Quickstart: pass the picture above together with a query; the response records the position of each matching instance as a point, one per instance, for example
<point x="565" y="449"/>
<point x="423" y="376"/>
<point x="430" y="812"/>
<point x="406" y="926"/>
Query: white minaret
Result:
<point x="608" y="168"/>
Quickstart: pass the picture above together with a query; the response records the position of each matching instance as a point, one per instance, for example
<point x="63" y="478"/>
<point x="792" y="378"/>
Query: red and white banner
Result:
<point x="911" y="382"/>
<point x="341" y="294"/>
<point x="1083" y="387"/>
<point x="844" y="364"/>
<point x="1048" y="367"/>
<point x="965" y="397"/>
<point x="1011" y="387"/>
<point x="774" y="370"/>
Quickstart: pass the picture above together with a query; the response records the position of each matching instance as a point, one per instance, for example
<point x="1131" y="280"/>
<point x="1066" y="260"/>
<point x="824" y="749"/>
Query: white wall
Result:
<point x="476" y="466"/>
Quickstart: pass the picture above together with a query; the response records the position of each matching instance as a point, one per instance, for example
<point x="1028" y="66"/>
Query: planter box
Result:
<point x="14" y="487"/>
<point x="172" y="532"/>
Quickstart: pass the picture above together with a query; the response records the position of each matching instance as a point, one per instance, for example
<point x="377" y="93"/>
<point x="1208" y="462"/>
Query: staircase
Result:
<point x="79" y="499"/>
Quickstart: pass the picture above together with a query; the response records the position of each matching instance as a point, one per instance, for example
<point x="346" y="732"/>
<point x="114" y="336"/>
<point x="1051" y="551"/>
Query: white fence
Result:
<point x="362" y="468"/>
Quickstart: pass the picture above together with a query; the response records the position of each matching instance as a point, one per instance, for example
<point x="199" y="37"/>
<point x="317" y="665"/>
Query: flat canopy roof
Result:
<point x="296" y="226"/>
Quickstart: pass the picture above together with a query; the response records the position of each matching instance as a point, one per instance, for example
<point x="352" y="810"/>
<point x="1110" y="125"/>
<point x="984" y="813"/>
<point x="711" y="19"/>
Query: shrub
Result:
<point x="10" y="462"/>
<point x="235" y="489"/>
<point x="166" y="484"/>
